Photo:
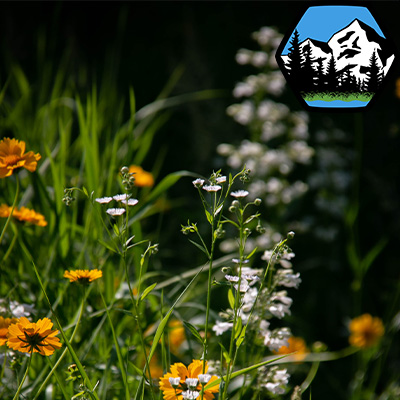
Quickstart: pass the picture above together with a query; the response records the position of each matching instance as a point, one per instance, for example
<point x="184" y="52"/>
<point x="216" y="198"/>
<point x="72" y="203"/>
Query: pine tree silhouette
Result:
<point x="320" y="75"/>
<point x="374" y="75"/>
<point x="331" y="75"/>
<point x="296" y="59"/>
<point x="308" y="72"/>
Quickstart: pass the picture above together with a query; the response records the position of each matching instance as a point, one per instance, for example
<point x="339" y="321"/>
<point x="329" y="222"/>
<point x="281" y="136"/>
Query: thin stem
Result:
<point x="12" y="210"/>
<point x="24" y="377"/>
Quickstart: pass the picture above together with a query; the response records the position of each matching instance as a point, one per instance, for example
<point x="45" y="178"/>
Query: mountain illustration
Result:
<point x="351" y="48"/>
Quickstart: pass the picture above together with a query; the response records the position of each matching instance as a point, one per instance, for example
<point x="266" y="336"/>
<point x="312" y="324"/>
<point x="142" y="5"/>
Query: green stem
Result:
<point x="12" y="210"/>
<point x="24" y="377"/>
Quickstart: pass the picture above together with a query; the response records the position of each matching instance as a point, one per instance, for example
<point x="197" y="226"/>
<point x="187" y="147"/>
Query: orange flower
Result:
<point x="365" y="331"/>
<point x="4" y="324"/>
<point x="142" y="177"/>
<point x="33" y="337"/>
<point x="23" y="214"/>
<point x="179" y="370"/>
<point x="84" y="276"/>
<point x="176" y="335"/>
<point x="296" y="344"/>
<point x="12" y="157"/>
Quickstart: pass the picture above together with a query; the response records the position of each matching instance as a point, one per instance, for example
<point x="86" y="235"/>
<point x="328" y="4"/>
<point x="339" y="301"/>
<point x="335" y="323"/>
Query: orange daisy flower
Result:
<point x="23" y="214"/>
<point x="33" y="337"/>
<point x="84" y="276"/>
<point x="189" y="378"/>
<point x="296" y="344"/>
<point x="13" y="156"/>
<point x="4" y="324"/>
<point x="365" y="331"/>
<point x="142" y="177"/>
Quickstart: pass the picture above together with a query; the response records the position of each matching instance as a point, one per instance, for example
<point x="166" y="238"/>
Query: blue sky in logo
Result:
<point x="321" y="22"/>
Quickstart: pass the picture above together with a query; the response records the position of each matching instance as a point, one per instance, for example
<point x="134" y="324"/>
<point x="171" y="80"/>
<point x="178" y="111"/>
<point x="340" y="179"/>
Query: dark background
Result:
<point x="142" y="43"/>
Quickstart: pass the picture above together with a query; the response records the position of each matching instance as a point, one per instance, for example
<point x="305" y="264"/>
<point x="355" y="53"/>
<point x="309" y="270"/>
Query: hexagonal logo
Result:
<point x="336" y="58"/>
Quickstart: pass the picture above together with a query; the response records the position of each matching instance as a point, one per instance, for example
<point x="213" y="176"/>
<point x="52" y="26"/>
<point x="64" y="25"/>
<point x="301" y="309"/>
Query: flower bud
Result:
<point x="257" y="201"/>
<point x="290" y="235"/>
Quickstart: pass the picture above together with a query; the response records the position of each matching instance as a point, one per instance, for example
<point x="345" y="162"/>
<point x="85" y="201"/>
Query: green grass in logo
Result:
<point x="331" y="96"/>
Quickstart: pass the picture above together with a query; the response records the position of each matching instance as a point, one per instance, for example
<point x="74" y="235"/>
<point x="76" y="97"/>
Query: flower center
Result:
<point x="11" y="159"/>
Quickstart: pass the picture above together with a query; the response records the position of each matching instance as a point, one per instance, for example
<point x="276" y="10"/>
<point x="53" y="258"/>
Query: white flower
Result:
<point x="115" y="211"/>
<point x="189" y="394"/>
<point x="212" y="188"/>
<point x="191" y="382"/>
<point x="221" y="179"/>
<point x="120" y="197"/>
<point x="240" y="193"/>
<point x="198" y="182"/>
<point x="277" y="338"/>
<point x="220" y="327"/>
<point x="279" y="310"/>
<point x="231" y="278"/>
<point x="174" y="382"/>
<point x="103" y="200"/>
<point x="237" y="261"/>
<point x="204" y="378"/>
<point x="20" y="310"/>
<point x="131" y="202"/>
<point x="244" y="286"/>
<point x="286" y="277"/>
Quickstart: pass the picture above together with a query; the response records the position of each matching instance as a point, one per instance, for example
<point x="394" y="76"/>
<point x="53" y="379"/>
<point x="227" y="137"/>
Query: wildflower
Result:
<point x="365" y="331"/>
<point x="4" y="324"/>
<point x="221" y="179"/>
<point x="33" y="337"/>
<point x="115" y="211"/>
<point x="121" y="197"/>
<point x="24" y="214"/>
<point x="142" y="177"/>
<point x="220" y="327"/>
<point x="130" y="202"/>
<point x="12" y="157"/>
<point x="103" y="200"/>
<point x="276" y="380"/>
<point x="84" y="276"/>
<point x="198" y="183"/>
<point x="286" y="277"/>
<point x="212" y="188"/>
<point x="176" y="335"/>
<point x="17" y="310"/>
<point x="297" y="345"/>
<point x="185" y="389"/>
<point x="277" y="338"/>
<point x="240" y="193"/>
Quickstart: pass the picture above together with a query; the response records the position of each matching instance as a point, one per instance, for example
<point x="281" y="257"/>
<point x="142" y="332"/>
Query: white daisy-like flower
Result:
<point x="204" y="378"/>
<point x="192" y="383"/>
<point x="240" y="193"/>
<point x="221" y="179"/>
<point x="244" y="286"/>
<point x="103" y="200"/>
<point x="120" y="197"/>
<point x="220" y="327"/>
<point x="131" y="202"/>
<point x="115" y="211"/>
<point x="212" y="188"/>
<point x="198" y="182"/>
<point x="231" y="278"/>
<point x="174" y="382"/>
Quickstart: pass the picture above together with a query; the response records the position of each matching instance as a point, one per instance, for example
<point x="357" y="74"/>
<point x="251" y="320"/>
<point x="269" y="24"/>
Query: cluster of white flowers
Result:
<point x="15" y="309"/>
<point x="122" y="198"/>
<point x="273" y="379"/>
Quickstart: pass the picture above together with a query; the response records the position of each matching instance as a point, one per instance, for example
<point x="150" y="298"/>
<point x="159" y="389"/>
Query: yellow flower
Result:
<point x="33" y="337"/>
<point x="23" y="214"/>
<point x="12" y="157"/>
<point x="179" y="370"/>
<point x="176" y="335"/>
<point x="142" y="177"/>
<point x="365" y="331"/>
<point x="296" y="344"/>
<point x="4" y="324"/>
<point x="84" y="276"/>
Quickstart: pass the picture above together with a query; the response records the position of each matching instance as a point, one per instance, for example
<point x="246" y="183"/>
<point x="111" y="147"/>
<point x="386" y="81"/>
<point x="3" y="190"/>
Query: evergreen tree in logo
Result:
<point x="296" y="59"/>
<point x="374" y="75"/>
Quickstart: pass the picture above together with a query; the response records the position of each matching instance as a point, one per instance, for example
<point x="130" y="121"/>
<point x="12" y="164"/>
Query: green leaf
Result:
<point x="240" y="339"/>
<point x="199" y="246"/>
<point x="225" y="353"/>
<point x="238" y="327"/>
<point x="251" y="218"/>
<point x="251" y="254"/>
<point x="85" y="191"/>
<point x="372" y="254"/>
<point x="194" y="331"/>
<point x="147" y="291"/>
<point x="116" y="230"/>
<point x="107" y="246"/>
<point x="209" y="217"/>
<point x="231" y="299"/>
